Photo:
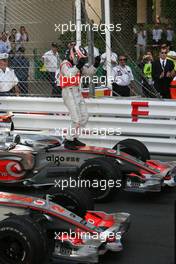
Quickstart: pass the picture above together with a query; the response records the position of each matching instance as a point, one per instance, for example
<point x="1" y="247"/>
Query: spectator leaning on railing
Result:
<point x="8" y="79"/>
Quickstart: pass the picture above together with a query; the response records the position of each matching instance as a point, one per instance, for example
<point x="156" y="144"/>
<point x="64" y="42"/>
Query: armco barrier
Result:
<point x="151" y="121"/>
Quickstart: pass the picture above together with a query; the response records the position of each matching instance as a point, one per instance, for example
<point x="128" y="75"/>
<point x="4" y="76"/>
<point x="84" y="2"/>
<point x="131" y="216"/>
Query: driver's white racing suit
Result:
<point x="70" y="82"/>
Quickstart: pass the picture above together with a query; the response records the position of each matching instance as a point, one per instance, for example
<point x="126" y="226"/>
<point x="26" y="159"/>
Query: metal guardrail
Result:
<point x="151" y="121"/>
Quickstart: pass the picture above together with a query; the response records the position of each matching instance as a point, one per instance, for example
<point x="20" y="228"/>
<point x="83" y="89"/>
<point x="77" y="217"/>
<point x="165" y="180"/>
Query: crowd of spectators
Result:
<point x="159" y="72"/>
<point x="12" y="46"/>
<point x="156" y="60"/>
<point x="152" y="38"/>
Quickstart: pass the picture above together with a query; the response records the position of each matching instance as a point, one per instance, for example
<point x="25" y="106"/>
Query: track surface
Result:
<point x="151" y="237"/>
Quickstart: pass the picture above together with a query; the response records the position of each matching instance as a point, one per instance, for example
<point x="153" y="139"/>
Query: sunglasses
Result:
<point x="122" y="59"/>
<point x="163" y="52"/>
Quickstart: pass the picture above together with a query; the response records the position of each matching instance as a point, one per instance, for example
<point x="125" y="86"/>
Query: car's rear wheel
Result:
<point x="103" y="177"/>
<point x="76" y="200"/>
<point x="22" y="241"/>
<point x="135" y="148"/>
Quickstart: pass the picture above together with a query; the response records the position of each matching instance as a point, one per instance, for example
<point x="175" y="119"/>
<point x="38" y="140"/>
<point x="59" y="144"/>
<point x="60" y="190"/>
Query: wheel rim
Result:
<point x="96" y="174"/>
<point x="12" y="249"/>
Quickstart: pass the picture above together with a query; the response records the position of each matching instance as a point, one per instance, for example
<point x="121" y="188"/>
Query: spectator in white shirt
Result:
<point x="169" y="35"/>
<point x="96" y="51"/>
<point x="141" y="42"/>
<point x="8" y="79"/>
<point x="21" y="37"/>
<point x="114" y="61"/>
<point x="52" y="63"/>
<point x="123" y="79"/>
<point x="157" y="35"/>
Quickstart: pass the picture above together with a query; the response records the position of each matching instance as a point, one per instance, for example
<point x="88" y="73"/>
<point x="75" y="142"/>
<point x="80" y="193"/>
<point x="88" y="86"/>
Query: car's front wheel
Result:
<point x="102" y="176"/>
<point x="134" y="148"/>
<point x="22" y="241"/>
<point x="76" y="200"/>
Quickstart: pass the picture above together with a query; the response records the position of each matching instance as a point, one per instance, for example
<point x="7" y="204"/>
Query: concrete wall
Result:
<point x="95" y="12"/>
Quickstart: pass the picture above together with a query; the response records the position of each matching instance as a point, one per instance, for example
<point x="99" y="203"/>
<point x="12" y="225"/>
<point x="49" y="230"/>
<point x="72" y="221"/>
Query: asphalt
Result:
<point x="151" y="237"/>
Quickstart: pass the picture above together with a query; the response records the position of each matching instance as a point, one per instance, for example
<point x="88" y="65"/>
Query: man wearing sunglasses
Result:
<point x="163" y="73"/>
<point x="8" y="79"/>
<point x="123" y="78"/>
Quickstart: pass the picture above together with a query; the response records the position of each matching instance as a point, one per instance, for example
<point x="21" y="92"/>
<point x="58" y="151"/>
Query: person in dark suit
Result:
<point x="162" y="74"/>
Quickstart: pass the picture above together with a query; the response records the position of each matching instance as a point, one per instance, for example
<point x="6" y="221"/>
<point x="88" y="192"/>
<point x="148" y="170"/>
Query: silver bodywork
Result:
<point x="92" y="247"/>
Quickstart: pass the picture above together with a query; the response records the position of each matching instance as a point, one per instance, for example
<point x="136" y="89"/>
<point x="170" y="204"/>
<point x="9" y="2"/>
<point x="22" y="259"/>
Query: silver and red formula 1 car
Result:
<point x="37" y="160"/>
<point x="35" y="230"/>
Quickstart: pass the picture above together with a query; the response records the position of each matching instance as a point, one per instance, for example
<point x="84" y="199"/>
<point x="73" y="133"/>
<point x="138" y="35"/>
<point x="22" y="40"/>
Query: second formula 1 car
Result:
<point x="35" y="230"/>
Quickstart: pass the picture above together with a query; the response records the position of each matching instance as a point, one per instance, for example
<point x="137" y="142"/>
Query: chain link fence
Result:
<point x="32" y="26"/>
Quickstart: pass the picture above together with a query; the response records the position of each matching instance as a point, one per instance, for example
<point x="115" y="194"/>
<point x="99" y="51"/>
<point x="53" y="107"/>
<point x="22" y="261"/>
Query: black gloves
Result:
<point x="97" y="61"/>
<point x="81" y="63"/>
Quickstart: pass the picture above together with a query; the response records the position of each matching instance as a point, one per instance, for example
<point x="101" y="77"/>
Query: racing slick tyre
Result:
<point x="134" y="148"/>
<point x="102" y="176"/>
<point x="76" y="200"/>
<point x="22" y="241"/>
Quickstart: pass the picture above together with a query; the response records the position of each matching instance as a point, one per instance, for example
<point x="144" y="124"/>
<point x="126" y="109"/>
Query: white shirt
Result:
<point x="7" y="44"/>
<point x="123" y="75"/>
<point x="51" y="61"/>
<point x="8" y="80"/>
<point x="141" y="38"/>
<point x="19" y="39"/>
<point x="114" y="58"/>
<point x="157" y="34"/>
<point x="170" y="34"/>
<point x="96" y="51"/>
<point x="161" y="61"/>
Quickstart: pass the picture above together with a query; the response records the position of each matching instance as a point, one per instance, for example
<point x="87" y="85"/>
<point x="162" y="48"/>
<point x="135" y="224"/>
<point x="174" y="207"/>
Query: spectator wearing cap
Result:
<point x="123" y="78"/>
<point x="8" y="79"/>
<point x="171" y="55"/>
<point x="52" y="63"/>
<point x="21" y="64"/>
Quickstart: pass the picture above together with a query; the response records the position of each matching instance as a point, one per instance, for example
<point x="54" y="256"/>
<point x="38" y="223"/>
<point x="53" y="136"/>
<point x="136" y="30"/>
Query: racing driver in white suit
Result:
<point x="71" y="70"/>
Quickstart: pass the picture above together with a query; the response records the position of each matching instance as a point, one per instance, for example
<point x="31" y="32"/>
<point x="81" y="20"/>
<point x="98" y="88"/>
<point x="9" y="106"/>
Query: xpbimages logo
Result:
<point x="102" y="28"/>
